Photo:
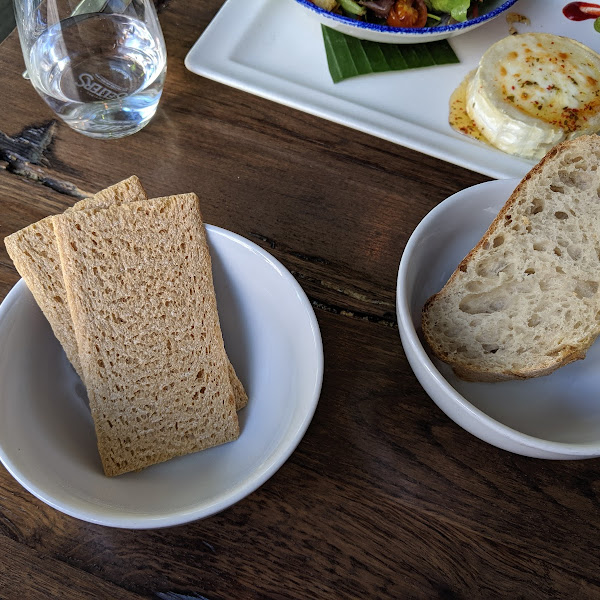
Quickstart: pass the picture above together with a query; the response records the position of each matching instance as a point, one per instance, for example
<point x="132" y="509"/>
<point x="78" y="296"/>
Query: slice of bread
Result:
<point x="139" y="286"/>
<point x="34" y="252"/>
<point x="526" y="301"/>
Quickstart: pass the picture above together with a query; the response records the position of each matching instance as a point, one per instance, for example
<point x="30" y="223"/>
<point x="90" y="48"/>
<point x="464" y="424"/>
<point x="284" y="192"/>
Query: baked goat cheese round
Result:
<point x="534" y="90"/>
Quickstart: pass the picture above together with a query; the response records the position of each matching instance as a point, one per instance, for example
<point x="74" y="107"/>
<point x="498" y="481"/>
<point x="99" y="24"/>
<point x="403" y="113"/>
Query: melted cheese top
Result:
<point x="533" y="90"/>
<point x="551" y="81"/>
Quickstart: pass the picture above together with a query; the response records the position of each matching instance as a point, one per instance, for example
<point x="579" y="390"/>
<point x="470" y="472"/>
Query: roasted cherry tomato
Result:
<point x="408" y="13"/>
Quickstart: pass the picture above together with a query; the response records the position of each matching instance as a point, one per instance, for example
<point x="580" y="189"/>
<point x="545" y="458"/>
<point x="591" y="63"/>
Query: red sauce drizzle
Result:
<point x="580" y="11"/>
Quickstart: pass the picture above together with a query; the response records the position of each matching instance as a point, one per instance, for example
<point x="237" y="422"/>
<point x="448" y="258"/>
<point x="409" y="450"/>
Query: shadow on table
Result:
<point x="7" y="18"/>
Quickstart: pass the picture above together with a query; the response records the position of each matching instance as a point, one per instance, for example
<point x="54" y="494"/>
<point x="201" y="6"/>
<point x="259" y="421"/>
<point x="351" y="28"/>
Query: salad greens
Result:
<point x="405" y="13"/>
<point x="457" y="9"/>
<point x="352" y="7"/>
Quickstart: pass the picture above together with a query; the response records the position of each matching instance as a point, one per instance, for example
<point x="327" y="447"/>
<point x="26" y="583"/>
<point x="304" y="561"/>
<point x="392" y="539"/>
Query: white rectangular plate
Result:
<point x="274" y="49"/>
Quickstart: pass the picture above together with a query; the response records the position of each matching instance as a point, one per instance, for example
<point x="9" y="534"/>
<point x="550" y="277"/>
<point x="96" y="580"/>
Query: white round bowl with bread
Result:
<point x="553" y="416"/>
<point x="47" y="439"/>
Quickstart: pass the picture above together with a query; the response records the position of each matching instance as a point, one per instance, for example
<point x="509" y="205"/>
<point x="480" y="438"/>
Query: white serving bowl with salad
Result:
<point x="405" y="21"/>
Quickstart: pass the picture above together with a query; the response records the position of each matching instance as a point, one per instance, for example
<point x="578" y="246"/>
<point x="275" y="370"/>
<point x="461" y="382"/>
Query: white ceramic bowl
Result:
<point x="47" y="439"/>
<point x="394" y="35"/>
<point x="555" y="417"/>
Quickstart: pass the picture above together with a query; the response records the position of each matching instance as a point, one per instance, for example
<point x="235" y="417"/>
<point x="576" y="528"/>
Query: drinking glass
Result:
<point x="99" y="64"/>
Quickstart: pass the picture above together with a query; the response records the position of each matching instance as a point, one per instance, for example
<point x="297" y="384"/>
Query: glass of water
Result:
<point x="99" y="64"/>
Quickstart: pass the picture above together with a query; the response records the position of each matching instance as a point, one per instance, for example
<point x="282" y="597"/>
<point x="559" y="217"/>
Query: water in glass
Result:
<point x="103" y="74"/>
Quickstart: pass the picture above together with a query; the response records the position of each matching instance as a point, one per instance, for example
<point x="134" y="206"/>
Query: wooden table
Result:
<point x="385" y="497"/>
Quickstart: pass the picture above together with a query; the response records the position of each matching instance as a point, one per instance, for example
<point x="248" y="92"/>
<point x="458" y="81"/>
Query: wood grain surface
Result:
<point x="385" y="497"/>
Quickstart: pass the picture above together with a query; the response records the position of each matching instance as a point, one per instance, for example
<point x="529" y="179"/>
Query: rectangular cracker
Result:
<point x="104" y="199"/>
<point x="139" y="286"/>
<point x="34" y="252"/>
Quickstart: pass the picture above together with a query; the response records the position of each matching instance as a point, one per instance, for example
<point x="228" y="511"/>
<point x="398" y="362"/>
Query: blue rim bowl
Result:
<point x="399" y="35"/>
